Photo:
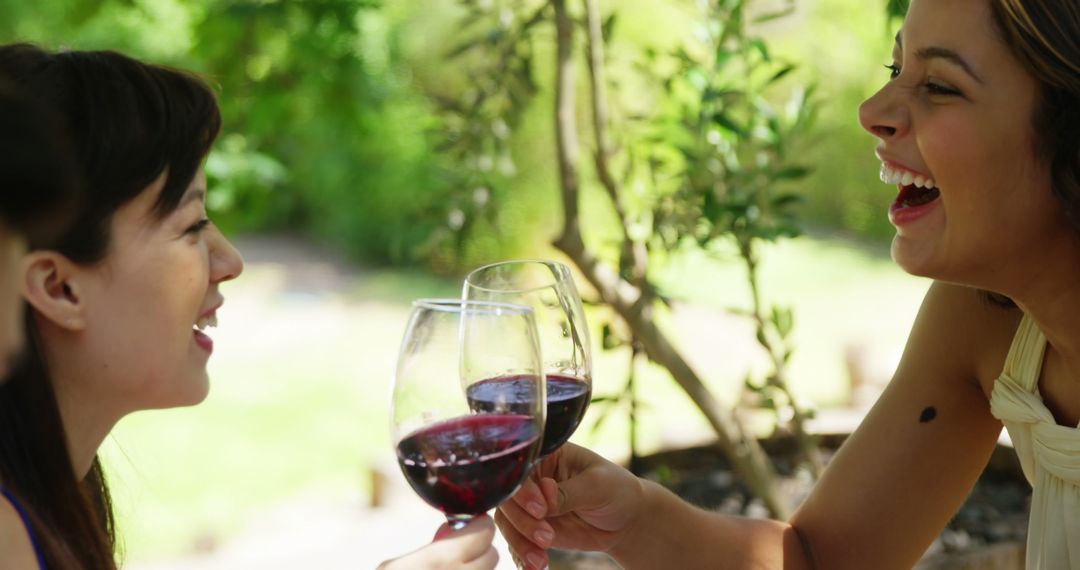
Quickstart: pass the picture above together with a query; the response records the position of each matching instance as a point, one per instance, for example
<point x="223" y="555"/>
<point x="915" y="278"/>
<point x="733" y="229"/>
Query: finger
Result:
<point x="518" y="541"/>
<point x="470" y="542"/>
<point x="525" y="552"/>
<point x="487" y="561"/>
<point x="444" y="531"/>
<point x="539" y="532"/>
<point x="550" y="490"/>
<point x="536" y="559"/>
<point x="531" y="499"/>
<point x="576" y="493"/>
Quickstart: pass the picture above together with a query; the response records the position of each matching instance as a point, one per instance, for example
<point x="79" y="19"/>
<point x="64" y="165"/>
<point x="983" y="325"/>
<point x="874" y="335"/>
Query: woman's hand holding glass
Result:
<point x="575" y="499"/>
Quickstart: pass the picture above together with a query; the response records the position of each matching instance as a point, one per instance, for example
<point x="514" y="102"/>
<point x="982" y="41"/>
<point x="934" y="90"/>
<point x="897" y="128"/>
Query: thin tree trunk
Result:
<point x="632" y="302"/>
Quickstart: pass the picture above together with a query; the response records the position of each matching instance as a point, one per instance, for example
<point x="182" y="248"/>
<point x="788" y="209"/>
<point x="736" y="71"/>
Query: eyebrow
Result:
<point x="935" y="52"/>
<point x="196" y="194"/>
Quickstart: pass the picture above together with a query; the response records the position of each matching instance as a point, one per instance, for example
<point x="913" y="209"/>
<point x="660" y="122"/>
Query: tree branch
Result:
<point x="632" y="303"/>
<point x="634" y="253"/>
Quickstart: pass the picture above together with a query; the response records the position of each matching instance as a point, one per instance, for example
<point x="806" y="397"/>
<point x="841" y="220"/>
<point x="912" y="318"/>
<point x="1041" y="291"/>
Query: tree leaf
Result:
<point x="792" y="173"/>
<point x="786" y="69"/>
<point x="770" y="16"/>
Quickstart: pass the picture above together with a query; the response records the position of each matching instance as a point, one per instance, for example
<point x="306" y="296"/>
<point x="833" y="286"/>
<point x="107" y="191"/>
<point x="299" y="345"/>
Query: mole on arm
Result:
<point x="928" y="414"/>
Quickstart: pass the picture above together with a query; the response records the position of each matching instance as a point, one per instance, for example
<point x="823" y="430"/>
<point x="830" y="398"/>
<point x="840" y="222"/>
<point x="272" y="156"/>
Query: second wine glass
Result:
<point x="548" y="288"/>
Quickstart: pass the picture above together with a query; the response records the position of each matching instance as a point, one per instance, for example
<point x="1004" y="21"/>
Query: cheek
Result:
<point x="950" y="147"/>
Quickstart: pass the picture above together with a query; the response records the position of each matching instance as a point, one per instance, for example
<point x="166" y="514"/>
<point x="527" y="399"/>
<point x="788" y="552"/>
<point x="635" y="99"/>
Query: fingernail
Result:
<point x="543" y="537"/>
<point x="535" y="509"/>
<point x="535" y="560"/>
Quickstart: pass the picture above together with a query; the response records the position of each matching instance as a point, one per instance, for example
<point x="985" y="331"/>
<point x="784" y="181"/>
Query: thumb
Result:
<point x="569" y="495"/>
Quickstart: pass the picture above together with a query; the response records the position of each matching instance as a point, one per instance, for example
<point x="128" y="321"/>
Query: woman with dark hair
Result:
<point x="978" y="128"/>
<point x="120" y="301"/>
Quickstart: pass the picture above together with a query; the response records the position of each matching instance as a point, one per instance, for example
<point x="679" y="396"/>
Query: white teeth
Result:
<point x="206" y="322"/>
<point x="890" y="175"/>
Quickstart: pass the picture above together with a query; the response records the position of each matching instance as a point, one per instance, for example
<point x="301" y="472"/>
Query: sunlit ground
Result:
<point x="304" y="359"/>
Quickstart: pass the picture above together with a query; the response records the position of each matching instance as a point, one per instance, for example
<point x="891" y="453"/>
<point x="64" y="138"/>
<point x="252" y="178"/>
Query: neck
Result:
<point x="85" y="431"/>
<point x="86" y="417"/>
<point x="1050" y="296"/>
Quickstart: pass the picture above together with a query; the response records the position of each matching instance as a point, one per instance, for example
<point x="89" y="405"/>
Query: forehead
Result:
<point x="961" y="25"/>
<point x="141" y="213"/>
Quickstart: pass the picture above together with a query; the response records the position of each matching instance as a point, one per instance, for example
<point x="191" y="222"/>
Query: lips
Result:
<point x="204" y="342"/>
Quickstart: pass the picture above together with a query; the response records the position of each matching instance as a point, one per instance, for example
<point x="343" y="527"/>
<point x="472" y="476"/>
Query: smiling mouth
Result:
<point x="911" y="196"/>
<point x="915" y="189"/>
<point x="204" y="323"/>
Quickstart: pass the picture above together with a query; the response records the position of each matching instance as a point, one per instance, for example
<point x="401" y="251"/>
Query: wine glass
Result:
<point x="459" y="460"/>
<point x="548" y="288"/>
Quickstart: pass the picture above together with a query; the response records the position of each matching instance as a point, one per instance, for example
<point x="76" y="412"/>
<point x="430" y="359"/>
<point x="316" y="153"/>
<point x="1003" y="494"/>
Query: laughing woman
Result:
<point x="978" y="129"/>
<point x="118" y="303"/>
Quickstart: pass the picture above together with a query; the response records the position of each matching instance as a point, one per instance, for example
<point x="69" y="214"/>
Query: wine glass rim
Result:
<point x="451" y="305"/>
<point x="561" y="272"/>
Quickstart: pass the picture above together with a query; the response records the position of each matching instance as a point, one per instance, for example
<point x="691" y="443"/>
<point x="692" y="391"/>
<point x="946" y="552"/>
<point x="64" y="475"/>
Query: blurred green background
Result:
<point x="328" y="140"/>
<point x="327" y="129"/>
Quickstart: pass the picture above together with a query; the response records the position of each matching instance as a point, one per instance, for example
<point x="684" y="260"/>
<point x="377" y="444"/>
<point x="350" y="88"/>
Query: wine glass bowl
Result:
<point x="548" y="288"/>
<point x="464" y="461"/>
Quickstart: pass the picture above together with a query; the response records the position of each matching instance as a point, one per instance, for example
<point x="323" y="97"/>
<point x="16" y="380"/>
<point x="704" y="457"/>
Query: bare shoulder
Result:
<point x="971" y="328"/>
<point x="16" y="551"/>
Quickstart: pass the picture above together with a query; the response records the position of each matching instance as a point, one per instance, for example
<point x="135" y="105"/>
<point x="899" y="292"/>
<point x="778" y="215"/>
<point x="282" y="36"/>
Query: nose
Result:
<point x="884" y="115"/>
<point x="225" y="261"/>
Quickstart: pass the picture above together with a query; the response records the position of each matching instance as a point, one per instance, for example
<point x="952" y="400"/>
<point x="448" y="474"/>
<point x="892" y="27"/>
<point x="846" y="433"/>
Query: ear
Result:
<point x="49" y="284"/>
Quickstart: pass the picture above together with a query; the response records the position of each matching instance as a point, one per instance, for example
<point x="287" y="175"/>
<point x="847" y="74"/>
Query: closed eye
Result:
<point x="931" y="87"/>
<point x="939" y="89"/>
<point x="197" y="227"/>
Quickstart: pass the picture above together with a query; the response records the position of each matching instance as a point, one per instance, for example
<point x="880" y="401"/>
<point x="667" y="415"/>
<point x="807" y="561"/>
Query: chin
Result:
<point x="199" y="395"/>
<point x="912" y="258"/>
<point x="193" y="393"/>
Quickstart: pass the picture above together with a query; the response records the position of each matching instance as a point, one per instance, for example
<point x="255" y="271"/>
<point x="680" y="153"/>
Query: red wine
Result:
<point x="567" y="398"/>
<point x="471" y="464"/>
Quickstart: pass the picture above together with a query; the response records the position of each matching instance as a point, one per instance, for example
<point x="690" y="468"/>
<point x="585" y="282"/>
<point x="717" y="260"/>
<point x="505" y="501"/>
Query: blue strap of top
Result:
<point x="26" y="522"/>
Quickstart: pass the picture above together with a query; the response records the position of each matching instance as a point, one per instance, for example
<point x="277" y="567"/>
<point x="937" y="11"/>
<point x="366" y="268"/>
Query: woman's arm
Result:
<point x="881" y="501"/>
<point x="909" y="466"/>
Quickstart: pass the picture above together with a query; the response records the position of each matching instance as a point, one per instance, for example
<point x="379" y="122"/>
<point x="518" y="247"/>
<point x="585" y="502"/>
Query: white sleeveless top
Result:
<point x="1049" y="454"/>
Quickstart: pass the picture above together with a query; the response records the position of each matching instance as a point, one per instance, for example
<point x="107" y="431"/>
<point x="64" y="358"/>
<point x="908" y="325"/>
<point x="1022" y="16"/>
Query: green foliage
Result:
<point x="495" y="51"/>
<point x="845" y="45"/>
<point x="723" y="147"/>
<point x="321" y="129"/>
<point x="310" y="84"/>
<point x="330" y="127"/>
<point x="897" y="9"/>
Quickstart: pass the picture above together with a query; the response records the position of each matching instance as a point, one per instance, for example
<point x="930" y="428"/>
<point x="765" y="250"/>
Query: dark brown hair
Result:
<point x="128" y="122"/>
<point x="1045" y="36"/>
<point x="38" y="177"/>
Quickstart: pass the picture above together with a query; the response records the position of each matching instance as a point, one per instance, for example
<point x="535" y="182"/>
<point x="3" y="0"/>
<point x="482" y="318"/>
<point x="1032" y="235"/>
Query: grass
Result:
<point x="301" y="382"/>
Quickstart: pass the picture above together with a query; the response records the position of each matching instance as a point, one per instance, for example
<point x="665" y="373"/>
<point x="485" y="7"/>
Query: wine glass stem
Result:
<point x="458" y="522"/>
